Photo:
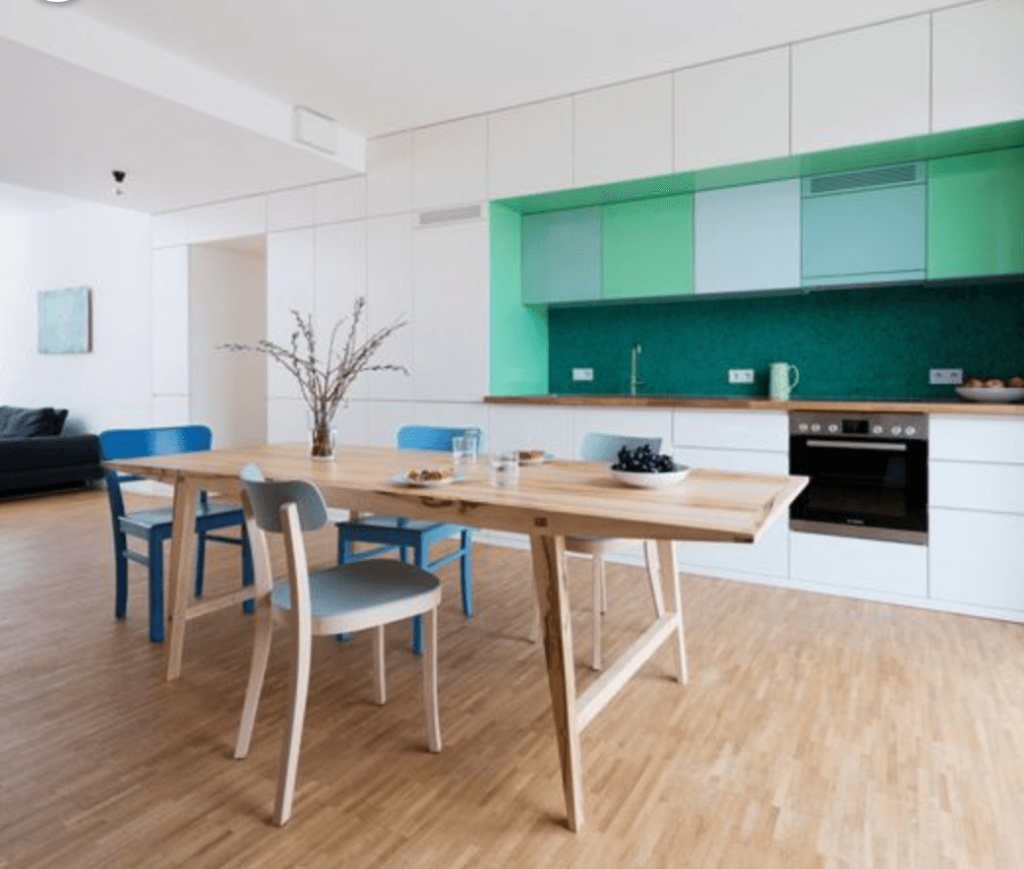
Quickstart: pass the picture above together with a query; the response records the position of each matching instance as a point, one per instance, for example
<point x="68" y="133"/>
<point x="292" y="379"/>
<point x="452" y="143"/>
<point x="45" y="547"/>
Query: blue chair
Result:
<point x="398" y="532"/>
<point x="155" y="525"/>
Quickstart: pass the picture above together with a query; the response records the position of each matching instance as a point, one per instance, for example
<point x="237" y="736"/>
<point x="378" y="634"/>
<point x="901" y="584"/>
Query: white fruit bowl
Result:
<point x="641" y="480"/>
<point x="991" y="394"/>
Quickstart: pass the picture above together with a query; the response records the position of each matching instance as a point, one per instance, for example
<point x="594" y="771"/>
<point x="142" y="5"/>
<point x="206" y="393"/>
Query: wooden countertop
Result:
<point x="952" y="405"/>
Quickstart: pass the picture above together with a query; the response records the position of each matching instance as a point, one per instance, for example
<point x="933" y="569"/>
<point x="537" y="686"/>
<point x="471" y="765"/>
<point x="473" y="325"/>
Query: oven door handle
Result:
<point x="859" y="445"/>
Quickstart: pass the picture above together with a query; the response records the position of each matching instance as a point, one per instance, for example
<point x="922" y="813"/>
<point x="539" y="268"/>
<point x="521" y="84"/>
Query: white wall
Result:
<point x="227" y="304"/>
<point x="108" y="250"/>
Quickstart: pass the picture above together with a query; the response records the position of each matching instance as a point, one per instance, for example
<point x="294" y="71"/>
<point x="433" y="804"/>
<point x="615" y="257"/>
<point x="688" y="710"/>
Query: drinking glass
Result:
<point x="505" y="468"/>
<point x="464" y="449"/>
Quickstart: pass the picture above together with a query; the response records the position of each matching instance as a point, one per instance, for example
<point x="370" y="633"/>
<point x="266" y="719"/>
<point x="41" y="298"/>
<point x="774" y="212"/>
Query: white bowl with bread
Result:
<point x="993" y="390"/>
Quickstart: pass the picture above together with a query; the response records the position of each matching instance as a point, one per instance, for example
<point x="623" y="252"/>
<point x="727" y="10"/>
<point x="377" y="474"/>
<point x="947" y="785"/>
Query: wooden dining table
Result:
<point x="549" y="502"/>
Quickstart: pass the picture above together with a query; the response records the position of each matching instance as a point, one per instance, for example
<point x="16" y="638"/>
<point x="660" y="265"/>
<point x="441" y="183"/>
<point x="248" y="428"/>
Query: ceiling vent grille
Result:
<point x="882" y="176"/>
<point x="455" y="214"/>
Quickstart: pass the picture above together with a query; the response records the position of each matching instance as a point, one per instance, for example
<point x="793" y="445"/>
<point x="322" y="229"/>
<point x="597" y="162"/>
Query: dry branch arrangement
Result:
<point x="324" y="387"/>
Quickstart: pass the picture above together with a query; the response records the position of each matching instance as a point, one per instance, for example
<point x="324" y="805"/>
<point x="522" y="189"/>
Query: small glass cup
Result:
<point x="505" y="468"/>
<point x="464" y="450"/>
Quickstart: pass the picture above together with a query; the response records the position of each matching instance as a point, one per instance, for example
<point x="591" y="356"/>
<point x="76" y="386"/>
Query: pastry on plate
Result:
<point x="994" y="382"/>
<point x="1015" y="382"/>
<point x="974" y="382"/>
<point x="429" y="475"/>
<point x="531" y="457"/>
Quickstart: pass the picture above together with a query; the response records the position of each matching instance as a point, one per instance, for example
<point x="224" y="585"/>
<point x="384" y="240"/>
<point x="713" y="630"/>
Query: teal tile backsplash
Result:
<point x="874" y="342"/>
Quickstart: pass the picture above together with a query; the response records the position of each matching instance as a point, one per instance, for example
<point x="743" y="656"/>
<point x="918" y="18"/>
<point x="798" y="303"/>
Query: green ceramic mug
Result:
<point x="779" y="382"/>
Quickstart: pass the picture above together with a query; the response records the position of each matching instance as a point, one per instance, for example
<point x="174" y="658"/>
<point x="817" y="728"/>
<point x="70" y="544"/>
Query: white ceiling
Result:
<point x="376" y="67"/>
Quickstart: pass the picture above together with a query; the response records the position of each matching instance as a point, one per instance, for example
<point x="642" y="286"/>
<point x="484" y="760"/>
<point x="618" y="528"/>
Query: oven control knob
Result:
<point x="910" y="431"/>
<point x="876" y="429"/>
<point x="815" y="427"/>
<point x="897" y="429"/>
<point x="833" y="428"/>
<point x="802" y="426"/>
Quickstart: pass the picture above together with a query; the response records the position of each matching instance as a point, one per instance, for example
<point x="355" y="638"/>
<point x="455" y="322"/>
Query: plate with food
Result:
<point x="426" y="478"/>
<point x="534" y="457"/>
<point x="642" y="468"/>
<point x="993" y="390"/>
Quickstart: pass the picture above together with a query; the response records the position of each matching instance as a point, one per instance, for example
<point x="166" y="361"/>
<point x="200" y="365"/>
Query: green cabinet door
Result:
<point x="648" y="247"/>
<point x="976" y="214"/>
<point x="561" y="256"/>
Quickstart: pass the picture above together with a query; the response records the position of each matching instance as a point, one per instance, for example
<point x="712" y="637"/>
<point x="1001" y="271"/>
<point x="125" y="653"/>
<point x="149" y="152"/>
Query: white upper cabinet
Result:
<point x="450" y="163"/>
<point x="291" y="209"/>
<point x="747" y="238"/>
<point x="389" y="174"/>
<point x="389" y="299"/>
<point x="450" y="329"/>
<point x="340" y="278"/>
<point x="977" y="64"/>
<point x="529" y="149"/>
<point x="291" y="285"/>
<point x="341" y="200"/>
<point x="622" y="132"/>
<point x="867" y="85"/>
<point x="732" y="111"/>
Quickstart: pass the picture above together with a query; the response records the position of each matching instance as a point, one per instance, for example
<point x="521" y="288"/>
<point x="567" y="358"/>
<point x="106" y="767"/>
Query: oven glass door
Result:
<point x="872" y="484"/>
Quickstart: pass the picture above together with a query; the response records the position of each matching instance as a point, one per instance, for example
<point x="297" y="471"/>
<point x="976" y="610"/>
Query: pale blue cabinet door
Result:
<point x="747" y="238"/>
<point x="562" y="256"/>
<point x="870" y="236"/>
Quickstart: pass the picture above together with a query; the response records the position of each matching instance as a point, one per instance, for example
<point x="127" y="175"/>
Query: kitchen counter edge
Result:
<point x="952" y="406"/>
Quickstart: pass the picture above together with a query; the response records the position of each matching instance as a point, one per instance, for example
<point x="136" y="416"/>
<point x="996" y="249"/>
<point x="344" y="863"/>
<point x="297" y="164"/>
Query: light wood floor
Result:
<point x="815" y="731"/>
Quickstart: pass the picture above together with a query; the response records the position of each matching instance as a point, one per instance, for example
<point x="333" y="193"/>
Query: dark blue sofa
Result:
<point x="36" y="457"/>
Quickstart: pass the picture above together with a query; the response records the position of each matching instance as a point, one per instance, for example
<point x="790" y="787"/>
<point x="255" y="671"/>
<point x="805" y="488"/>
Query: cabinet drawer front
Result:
<point x="768" y="557"/>
<point x="976" y="558"/>
<point x="766" y="431"/>
<point x="737" y="461"/>
<point x="873" y="565"/>
<point x="976" y="486"/>
<point x="976" y="439"/>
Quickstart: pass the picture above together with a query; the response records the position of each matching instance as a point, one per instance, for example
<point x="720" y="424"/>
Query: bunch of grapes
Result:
<point x="643" y="460"/>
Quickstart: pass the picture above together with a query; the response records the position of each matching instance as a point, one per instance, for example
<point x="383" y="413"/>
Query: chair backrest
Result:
<point x="266" y="499"/>
<point x="288" y="507"/>
<point x="131" y="443"/>
<point x="429" y="437"/>
<point x="598" y="447"/>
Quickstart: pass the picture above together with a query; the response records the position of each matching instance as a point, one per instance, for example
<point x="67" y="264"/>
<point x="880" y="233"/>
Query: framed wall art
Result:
<point x="65" y="320"/>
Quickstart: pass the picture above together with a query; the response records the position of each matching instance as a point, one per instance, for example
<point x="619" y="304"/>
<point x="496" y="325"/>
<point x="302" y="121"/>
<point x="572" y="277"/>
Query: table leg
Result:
<point x="553" y="599"/>
<point x="183" y="552"/>
<point x="670" y="571"/>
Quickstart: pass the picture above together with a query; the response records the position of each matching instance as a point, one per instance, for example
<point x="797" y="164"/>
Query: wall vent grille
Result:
<point x="449" y="215"/>
<point x="883" y="176"/>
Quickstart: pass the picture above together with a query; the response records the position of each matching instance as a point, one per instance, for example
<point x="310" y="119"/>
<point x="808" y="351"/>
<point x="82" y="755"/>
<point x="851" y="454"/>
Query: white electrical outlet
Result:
<point x="741" y="375"/>
<point x="583" y="374"/>
<point x="943" y="376"/>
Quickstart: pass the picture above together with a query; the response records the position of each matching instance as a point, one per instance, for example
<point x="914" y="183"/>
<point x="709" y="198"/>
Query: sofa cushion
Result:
<point x="24" y="422"/>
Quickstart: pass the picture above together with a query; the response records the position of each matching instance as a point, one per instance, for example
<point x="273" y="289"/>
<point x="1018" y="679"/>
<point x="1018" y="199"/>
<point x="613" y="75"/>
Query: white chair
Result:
<point x="605" y="448"/>
<point x="342" y="599"/>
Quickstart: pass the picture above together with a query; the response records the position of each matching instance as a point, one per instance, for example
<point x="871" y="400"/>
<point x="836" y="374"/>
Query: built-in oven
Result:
<point x="868" y="475"/>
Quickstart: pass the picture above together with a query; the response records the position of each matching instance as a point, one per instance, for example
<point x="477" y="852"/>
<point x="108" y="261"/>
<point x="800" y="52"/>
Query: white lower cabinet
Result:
<point x="976" y="558"/>
<point x="880" y="567"/>
<point x="746" y="442"/>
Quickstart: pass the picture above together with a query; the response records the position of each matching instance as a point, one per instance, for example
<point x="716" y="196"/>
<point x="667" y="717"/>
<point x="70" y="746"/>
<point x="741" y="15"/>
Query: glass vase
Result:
<point x="322" y="441"/>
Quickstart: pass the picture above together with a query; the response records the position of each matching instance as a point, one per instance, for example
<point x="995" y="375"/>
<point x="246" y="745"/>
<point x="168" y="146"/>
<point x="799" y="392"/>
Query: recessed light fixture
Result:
<point x="56" y="1"/>
<point x="119" y="175"/>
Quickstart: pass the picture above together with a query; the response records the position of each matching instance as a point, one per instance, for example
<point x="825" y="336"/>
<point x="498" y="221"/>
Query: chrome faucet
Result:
<point x="635" y="380"/>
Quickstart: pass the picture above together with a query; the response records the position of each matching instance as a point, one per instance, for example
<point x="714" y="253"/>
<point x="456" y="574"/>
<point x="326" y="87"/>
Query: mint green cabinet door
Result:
<point x="869" y="236"/>
<point x="648" y="247"/>
<point x="976" y="214"/>
<point x="561" y="256"/>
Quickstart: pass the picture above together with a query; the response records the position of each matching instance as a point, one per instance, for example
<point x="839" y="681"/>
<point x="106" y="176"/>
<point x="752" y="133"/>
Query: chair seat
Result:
<point x="396" y="529"/>
<point x="362" y="594"/>
<point x="209" y="515"/>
